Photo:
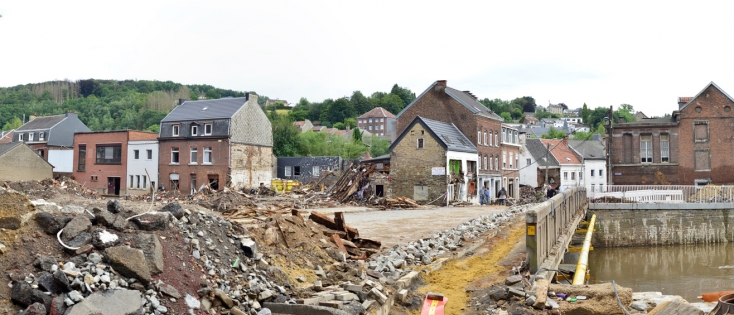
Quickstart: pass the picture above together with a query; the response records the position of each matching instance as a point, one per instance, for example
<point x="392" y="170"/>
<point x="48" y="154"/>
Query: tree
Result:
<point x="627" y="107"/>
<point x="350" y="122"/>
<point x="507" y="117"/>
<point x="554" y="133"/>
<point x="339" y="125"/>
<point x="406" y="95"/>
<point x="14" y="123"/>
<point x="378" y="145"/>
<point x="338" y="110"/>
<point x="286" y="138"/>
<point x="360" y="103"/>
<point x="212" y="94"/>
<point x="597" y="117"/>
<point x="392" y="103"/>
<point x="582" y="135"/>
<point x="516" y="113"/>
<point x="542" y="114"/>
<point x="154" y="128"/>
<point x="356" y="136"/>
<point x="585" y="112"/>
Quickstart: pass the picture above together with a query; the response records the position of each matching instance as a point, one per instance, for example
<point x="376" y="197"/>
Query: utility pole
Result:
<point x="546" y="164"/>
<point x="610" y="174"/>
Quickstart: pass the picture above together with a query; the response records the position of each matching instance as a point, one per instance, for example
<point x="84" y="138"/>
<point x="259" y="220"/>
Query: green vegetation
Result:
<point x="554" y="133"/>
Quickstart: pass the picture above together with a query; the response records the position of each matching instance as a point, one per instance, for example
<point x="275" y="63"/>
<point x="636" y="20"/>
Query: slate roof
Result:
<point x="588" y="149"/>
<point x="207" y="109"/>
<point x="537" y="131"/>
<point x="5" y="147"/>
<point x="448" y="135"/>
<point x="377" y="112"/>
<point x="44" y="122"/>
<point x="539" y="151"/>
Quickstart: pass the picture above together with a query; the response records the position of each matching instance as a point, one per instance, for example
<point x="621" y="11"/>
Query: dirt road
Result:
<point x="404" y="226"/>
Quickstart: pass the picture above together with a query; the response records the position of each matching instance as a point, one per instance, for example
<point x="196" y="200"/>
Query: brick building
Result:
<point x="52" y="137"/>
<point x="103" y="161"/>
<point x="691" y="147"/>
<point x="479" y="124"/>
<point x="430" y="159"/>
<point x="375" y="121"/>
<point x="222" y="142"/>
<point x="510" y="145"/>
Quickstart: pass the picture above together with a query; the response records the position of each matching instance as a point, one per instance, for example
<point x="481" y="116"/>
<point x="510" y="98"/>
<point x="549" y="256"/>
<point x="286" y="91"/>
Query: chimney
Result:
<point x="440" y="85"/>
<point x="31" y="117"/>
<point x="181" y="101"/>
<point x="565" y="140"/>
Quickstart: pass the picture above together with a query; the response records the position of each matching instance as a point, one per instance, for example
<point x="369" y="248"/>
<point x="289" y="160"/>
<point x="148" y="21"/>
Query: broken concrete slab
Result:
<point x="280" y="308"/>
<point x="129" y="262"/>
<point x="151" y="247"/>
<point x="175" y="209"/>
<point x="114" y="206"/>
<point x="112" y="302"/>
<point x="76" y="226"/>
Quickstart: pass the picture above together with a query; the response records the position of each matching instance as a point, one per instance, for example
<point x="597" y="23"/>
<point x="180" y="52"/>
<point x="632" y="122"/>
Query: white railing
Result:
<point x="662" y="194"/>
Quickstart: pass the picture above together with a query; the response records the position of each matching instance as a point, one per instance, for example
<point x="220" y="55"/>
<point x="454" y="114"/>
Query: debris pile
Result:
<point x="528" y="195"/>
<point x="353" y="181"/>
<point x="398" y="202"/>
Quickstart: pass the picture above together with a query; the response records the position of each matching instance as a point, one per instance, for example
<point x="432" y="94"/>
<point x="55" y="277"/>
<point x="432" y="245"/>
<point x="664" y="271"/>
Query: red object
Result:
<point x="714" y="296"/>
<point x="433" y="307"/>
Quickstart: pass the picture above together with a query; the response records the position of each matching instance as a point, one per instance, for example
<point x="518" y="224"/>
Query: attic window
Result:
<point x="194" y="130"/>
<point x="446" y="138"/>
<point x="205" y="108"/>
<point x="420" y="143"/>
<point x="463" y="142"/>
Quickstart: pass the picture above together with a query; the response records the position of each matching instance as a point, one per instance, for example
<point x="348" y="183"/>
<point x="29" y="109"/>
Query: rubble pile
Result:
<point x="399" y="202"/>
<point x="48" y="188"/>
<point x="400" y="259"/>
<point x="528" y="195"/>
<point x="353" y="181"/>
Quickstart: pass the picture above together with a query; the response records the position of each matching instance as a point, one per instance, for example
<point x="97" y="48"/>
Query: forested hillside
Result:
<point x="102" y="104"/>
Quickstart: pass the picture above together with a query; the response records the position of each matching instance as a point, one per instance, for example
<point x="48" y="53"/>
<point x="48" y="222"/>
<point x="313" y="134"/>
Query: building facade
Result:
<point x="571" y="167"/>
<point x="594" y="163"/>
<point x="216" y="143"/>
<point x="18" y="162"/>
<point x="52" y="137"/>
<point x="375" y="121"/>
<point x="510" y="145"/>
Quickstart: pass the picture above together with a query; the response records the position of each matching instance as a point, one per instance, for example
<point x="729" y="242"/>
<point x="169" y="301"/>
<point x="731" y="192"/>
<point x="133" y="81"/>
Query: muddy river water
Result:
<point x="685" y="270"/>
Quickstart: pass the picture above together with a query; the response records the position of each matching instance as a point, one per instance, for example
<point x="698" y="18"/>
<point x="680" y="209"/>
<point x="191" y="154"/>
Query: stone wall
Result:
<point x="661" y="224"/>
<point x="250" y="125"/>
<point x="410" y="167"/>
<point x="251" y="165"/>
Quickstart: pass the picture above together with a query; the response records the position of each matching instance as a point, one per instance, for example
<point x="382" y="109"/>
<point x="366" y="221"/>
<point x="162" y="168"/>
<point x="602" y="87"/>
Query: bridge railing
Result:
<point x="550" y="226"/>
<point x="663" y="194"/>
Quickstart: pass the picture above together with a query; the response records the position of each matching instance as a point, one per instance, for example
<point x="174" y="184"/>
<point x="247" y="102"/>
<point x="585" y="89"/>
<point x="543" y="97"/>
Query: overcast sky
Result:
<point x="645" y="53"/>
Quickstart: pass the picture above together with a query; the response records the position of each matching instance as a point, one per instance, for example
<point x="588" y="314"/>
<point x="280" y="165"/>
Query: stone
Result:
<point x="352" y="288"/>
<point x="62" y="282"/>
<point x="377" y="295"/>
<point x="84" y="249"/>
<point x="47" y="282"/>
<point x="102" y="239"/>
<point x="70" y="209"/>
<point x="24" y="295"/>
<point x="75" y="227"/>
<point x="498" y="294"/>
<point x="152" y="222"/>
<point x="513" y="279"/>
<point x="120" y="224"/>
<point x="112" y="302"/>
<point x="35" y="309"/>
<point x="175" y="209"/>
<point x="114" y="206"/>
<point x="88" y="279"/>
<point x="639" y="305"/>
<point x="264" y="311"/>
<point x="44" y="263"/>
<point x="206" y="304"/>
<point x="192" y="302"/>
<point x="51" y="224"/>
<point x="153" y="251"/>
<point x="530" y="300"/>
<point x="265" y="294"/>
<point x="80" y="240"/>
<point x="94" y="258"/>
<point x="103" y="217"/>
<point x="237" y="311"/>
<point x="249" y="247"/>
<point x="270" y="237"/>
<point x="226" y="300"/>
<point x="169" y="290"/>
<point x="58" y="307"/>
<point x="45" y="206"/>
<point x="402" y="294"/>
<point x="76" y="296"/>
<point x="129" y="262"/>
<point x="3" y="249"/>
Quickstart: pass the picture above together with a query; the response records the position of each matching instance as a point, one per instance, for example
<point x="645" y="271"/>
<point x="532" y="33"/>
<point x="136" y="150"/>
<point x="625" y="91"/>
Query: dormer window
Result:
<point x="207" y="129"/>
<point x="41" y="136"/>
<point x="194" y="130"/>
<point x="30" y="137"/>
<point x="20" y="137"/>
<point x="175" y="130"/>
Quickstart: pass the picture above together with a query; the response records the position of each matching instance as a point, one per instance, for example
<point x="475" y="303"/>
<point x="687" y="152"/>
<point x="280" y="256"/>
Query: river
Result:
<point x="685" y="270"/>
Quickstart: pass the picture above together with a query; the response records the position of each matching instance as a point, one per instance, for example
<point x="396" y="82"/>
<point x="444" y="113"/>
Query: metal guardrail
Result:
<point x="551" y="223"/>
<point x="663" y="194"/>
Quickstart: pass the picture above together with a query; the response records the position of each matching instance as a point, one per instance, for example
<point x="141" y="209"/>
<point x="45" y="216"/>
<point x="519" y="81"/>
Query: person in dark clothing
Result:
<point x="501" y="196"/>
<point x="551" y="192"/>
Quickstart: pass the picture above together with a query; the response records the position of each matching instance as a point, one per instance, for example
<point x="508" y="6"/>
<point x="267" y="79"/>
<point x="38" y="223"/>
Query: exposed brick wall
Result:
<point x="410" y="167"/>
<point x="218" y="167"/>
<point x="101" y="171"/>
<point x="251" y="165"/>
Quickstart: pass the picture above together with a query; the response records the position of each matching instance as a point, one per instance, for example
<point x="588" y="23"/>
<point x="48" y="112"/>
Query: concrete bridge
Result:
<point x="627" y="216"/>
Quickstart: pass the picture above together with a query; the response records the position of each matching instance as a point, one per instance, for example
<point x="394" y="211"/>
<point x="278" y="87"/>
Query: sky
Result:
<point x="644" y="53"/>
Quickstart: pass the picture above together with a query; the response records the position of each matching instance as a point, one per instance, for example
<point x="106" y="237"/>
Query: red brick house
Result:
<point x="691" y="147"/>
<point x="101" y="161"/>
<point x="220" y="143"/>
<point x="478" y="123"/>
<point x="375" y="121"/>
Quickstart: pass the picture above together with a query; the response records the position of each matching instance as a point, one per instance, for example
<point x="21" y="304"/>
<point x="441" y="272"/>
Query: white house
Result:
<point x="571" y="168"/>
<point x="142" y="156"/>
<point x="594" y="163"/>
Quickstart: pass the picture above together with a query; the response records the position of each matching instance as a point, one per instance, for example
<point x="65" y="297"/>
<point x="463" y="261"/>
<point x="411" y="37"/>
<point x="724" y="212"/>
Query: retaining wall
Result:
<point x="634" y="224"/>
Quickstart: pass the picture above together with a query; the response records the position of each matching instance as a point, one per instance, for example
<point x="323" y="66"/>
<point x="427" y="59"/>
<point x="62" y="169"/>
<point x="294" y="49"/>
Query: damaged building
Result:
<point x="307" y="169"/>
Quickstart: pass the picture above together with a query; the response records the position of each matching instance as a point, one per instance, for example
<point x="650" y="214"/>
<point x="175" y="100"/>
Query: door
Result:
<point x="213" y="181"/>
<point x="511" y="188"/>
<point x="193" y="184"/>
<point x="113" y="185"/>
<point x="380" y="190"/>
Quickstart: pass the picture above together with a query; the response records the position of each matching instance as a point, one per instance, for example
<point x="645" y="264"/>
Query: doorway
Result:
<point x="193" y="184"/>
<point x="213" y="181"/>
<point x="113" y="185"/>
<point x="380" y="190"/>
<point x="511" y="188"/>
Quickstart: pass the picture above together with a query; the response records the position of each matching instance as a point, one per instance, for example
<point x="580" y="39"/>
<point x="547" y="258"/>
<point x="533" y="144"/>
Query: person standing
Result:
<point x="481" y="195"/>
<point x="486" y="195"/>
<point x="502" y="195"/>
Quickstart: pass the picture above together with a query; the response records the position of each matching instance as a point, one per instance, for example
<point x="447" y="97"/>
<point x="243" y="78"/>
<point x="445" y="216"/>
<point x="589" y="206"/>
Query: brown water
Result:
<point x="685" y="270"/>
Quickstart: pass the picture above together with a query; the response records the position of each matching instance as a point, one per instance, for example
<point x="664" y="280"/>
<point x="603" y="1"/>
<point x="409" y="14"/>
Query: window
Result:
<point x="297" y="170"/>
<point x="370" y="120"/>
<point x="496" y="140"/>
<point x="193" y="156"/>
<point x="485" y="163"/>
<point x="82" y="163"/>
<point x="315" y="172"/>
<point x="701" y="131"/>
<point x="41" y="136"/>
<point x="511" y="160"/>
<point x="664" y="149"/>
<point x="529" y="162"/>
<point x="40" y="152"/>
<point x="592" y="173"/>
<point x="573" y="175"/>
<point x="150" y="154"/>
<point x="420" y="143"/>
<point x="496" y="163"/>
<point x="137" y="154"/>
<point x="194" y="130"/>
<point x="175" y="130"/>
<point x="207" y="155"/>
<point x="490" y="139"/>
<point x="593" y="187"/>
<point x="381" y="127"/>
<point x="207" y="129"/>
<point x="174" y="155"/>
<point x="20" y="137"/>
<point x="30" y="137"/>
<point x="288" y="171"/>
<point x="504" y="160"/>
<point x="137" y="177"/>
<point x="702" y="160"/>
<point x="109" y="154"/>
<point x="131" y="181"/>
<point x="93" y="178"/>
<point x="646" y="148"/>
<point x="581" y="176"/>
<point x="479" y="137"/>
<point x="565" y="175"/>
<point x="490" y="164"/>
<point x="601" y="173"/>
<point x="485" y="137"/>
<point x="145" y="181"/>
<point x="370" y="127"/>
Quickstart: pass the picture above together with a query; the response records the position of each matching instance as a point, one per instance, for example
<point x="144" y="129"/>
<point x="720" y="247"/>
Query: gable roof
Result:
<point x="704" y="89"/>
<point x="5" y="147"/>
<point x="377" y="112"/>
<point x="463" y="98"/>
<point x="539" y="151"/>
<point x="588" y="149"/>
<point x="43" y="122"/>
<point x="207" y="109"/>
<point x="562" y="152"/>
<point x="447" y="135"/>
